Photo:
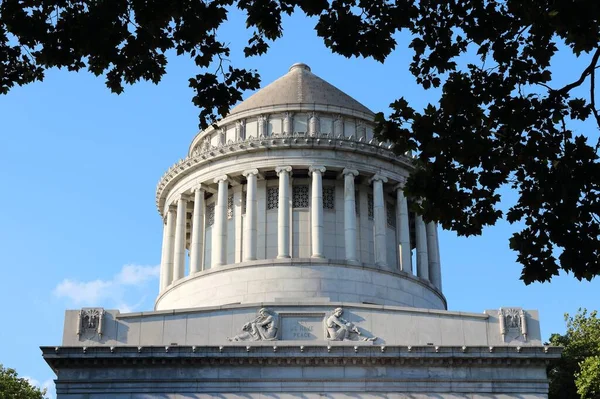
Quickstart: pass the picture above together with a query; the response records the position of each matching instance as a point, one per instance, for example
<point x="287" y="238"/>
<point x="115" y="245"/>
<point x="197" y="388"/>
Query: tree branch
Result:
<point x="593" y="96"/>
<point x="584" y="74"/>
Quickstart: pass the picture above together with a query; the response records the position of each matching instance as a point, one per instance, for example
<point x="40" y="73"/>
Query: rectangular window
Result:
<point x="326" y="125"/>
<point x="329" y="197"/>
<point x="272" y="198"/>
<point x="251" y="129"/>
<point x="300" y="123"/>
<point x="349" y="128"/>
<point x="275" y="126"/>
<point x="230" y="134"/>
<point x="391" y="215"/>
<point x="300" y="196"/>
<point x="230" y="207"/>
<point x="210" y="214"/>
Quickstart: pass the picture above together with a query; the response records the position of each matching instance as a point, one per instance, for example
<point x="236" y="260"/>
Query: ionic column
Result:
<point x="250" y="230"/>
<point x="403" y="230"/>
<point x="238" y="226"/>
<point x="163" y="264"/>
<point x="180" y="233"/>
<point x="166" y="264"/>
<point x="283" y="216"/>
<point x="421" y="241"/>
<point x="379" y="218"/>
<point x="350" y="215"/>
<point x="219" y="233"/>
<point x="435" y="275"/>
<point x="439" y="259"/>
<point x="197" y="246"/>
<point x="316" y="211"/>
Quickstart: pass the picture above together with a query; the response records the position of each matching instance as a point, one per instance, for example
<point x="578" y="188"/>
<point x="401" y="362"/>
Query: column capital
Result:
<point x="250" y="172"/>
<point x="219" y="179"/>
<point x="199" y="187"/>
<point x="316" y="168"/>
<point x="283" y="169"/>
<point x="401" y="183"/>
<point x="352" y="172"/>
<point x="383" y="179"/>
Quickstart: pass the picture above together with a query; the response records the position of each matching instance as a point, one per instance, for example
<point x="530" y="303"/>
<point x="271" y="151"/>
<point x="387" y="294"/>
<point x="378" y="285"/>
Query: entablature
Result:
<point x="207" y="156"/>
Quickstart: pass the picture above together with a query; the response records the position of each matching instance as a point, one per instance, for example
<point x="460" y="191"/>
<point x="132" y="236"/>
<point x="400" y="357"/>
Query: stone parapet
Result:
<point x="304" y="320"/>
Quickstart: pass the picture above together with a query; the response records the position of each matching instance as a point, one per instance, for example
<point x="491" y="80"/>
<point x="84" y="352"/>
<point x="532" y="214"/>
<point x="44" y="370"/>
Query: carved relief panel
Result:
<point x="513" y="324"/>
<point x="90" y="322"/>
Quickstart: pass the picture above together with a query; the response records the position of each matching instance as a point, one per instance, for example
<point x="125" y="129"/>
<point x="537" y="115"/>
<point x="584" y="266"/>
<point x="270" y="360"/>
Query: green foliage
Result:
<point x="577" y="374"/>
<point x="498" y="122"/>
<point x="13" y="387"/>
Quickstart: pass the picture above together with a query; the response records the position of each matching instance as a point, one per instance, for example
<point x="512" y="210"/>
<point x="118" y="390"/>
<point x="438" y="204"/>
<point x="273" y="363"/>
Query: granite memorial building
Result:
<point x="292" y="268"/>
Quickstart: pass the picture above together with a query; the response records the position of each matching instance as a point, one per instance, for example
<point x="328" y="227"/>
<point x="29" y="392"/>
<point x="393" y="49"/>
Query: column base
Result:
<point x="317" y="257"/>
<point x="283" y="256"/>
<point x="249" y="259"/>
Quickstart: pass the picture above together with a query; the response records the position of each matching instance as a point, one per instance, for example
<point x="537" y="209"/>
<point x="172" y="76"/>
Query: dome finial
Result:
<point x="299" y="65"/>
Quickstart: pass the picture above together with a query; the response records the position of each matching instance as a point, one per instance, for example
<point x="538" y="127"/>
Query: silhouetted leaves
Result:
<point x="577" y="374"/>
<point x="498" y="122"/>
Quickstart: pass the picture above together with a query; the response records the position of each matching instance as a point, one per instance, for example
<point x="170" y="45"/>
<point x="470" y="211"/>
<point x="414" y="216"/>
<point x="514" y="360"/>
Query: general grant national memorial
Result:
<point x="292" y="268"/>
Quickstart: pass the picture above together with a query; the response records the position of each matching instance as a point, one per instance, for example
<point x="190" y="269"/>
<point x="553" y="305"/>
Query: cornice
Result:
<point x="211" y="153"/>
<point x="278" y="354"/>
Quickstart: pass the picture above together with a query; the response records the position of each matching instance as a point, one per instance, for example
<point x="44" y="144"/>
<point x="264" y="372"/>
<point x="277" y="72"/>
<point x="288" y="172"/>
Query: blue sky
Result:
<point x="80" y="167"/>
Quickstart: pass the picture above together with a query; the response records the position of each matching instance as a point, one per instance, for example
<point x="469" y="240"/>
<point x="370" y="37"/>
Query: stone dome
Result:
<point x="300" y="86"/>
